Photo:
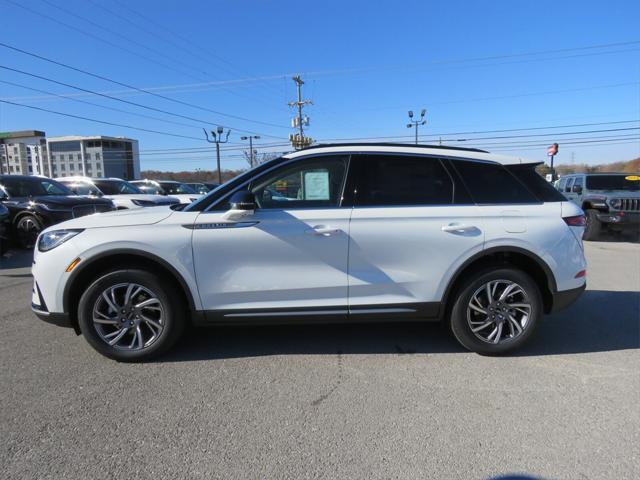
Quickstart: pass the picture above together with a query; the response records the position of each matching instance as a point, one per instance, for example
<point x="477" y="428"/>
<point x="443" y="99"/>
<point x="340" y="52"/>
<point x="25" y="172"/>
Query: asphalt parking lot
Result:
<point x="351" y="401"/>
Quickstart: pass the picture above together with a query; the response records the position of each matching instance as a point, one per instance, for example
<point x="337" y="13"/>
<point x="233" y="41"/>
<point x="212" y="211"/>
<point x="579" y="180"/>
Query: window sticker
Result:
<point x="316" y="185"/>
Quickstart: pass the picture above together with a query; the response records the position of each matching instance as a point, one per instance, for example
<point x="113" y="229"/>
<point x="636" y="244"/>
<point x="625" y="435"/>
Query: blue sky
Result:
<point x="475" y="67"/>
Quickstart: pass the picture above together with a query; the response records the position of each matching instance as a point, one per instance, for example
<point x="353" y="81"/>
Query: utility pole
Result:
<point x="416" y="123"/>
<point x="251" y="152"/>
<point x="298" y="140"/>
<point x="217" y="139"/>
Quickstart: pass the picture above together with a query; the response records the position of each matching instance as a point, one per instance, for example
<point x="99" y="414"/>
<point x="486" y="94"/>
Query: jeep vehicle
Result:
<point x="611" y="201"/>
<point x="368" y="232"/>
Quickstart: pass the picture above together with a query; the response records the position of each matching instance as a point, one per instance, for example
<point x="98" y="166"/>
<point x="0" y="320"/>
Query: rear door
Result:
<point x="411" y="228"/>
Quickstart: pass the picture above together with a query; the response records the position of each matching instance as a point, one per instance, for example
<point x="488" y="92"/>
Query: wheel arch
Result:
<point x="528" y="261"/>
<point x="27" y="213"/>
<point x="125" y="258"/>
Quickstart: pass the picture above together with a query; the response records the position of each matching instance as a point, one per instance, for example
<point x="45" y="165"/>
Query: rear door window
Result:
<point x="401" y="180"/>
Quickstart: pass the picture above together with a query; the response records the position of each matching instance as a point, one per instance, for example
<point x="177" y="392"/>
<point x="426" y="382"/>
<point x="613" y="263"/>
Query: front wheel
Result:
<point x="28" y="228"/>
<point x="593" y="229"/>
<point x="131" y="315"/>
<point x="496" y="311"/>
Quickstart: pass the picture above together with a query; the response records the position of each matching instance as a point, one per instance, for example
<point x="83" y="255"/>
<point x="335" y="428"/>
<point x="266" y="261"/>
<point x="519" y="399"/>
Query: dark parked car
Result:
<point x="4" y="226"/>
<point x="35" y="203"/>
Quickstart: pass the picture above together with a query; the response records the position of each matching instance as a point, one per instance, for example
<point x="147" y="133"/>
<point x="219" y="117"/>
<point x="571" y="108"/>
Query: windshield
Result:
<point x="32" y="187"/>
<point x="150" y="188"/>
<point x="81" y="188"/>
<point x="172" y="188"/>
<point x="116" y="187"/>
<point x="613" y="182"/>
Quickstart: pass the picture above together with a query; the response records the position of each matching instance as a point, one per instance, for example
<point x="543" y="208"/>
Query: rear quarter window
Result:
<point x="492" y="183"/>
<point x="543" y="190"/>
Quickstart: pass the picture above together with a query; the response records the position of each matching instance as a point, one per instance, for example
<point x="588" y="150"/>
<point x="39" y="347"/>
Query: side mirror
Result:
<point x="577" y="189"/>
<point x="243" y="204"/>
<point x="3" y="195"/>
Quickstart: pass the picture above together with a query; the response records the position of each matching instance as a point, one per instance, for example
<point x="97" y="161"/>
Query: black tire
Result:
<point x="460" y="317"/>
<point x="593" y="230"/>
<point x="27" y="228"/>
<point x="173" y="315"/>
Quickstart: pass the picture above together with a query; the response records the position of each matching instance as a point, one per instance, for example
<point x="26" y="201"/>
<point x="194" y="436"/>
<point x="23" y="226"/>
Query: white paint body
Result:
<point x="328" y="259"/>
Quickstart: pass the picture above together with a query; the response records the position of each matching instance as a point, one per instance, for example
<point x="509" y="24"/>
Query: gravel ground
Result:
<point x="342" y="401"/>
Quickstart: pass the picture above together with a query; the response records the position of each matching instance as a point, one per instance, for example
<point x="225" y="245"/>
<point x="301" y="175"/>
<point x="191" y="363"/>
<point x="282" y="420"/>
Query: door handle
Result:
<point x="324" y="230"/>
<point x="458" y="228"/>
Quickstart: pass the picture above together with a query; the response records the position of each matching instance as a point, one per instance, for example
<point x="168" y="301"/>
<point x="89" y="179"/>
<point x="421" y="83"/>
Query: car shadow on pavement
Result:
<point x="16" y="259"/>
<point x="599" y="321"/>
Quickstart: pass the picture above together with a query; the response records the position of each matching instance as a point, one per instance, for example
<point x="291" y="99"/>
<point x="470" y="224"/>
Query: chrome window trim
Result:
<point x="298" y="158"/>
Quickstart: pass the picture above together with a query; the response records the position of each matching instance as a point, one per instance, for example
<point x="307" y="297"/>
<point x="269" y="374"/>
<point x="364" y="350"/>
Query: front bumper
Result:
<point x="620" y="219"/>
<point x="39" y="308"/>
<point x="565" y="298"/>
<point x="59" y="319"/>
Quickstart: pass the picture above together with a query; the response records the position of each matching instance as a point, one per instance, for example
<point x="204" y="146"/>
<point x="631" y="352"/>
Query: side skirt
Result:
<point x="342" y="314"/>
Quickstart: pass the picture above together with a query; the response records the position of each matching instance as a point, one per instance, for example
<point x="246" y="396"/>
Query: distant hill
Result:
<point x="190" y="176"/>
<point x="630" y="166"/>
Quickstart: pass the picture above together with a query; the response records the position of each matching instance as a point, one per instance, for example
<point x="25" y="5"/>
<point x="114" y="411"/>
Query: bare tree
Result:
<point x="259" y="158"/>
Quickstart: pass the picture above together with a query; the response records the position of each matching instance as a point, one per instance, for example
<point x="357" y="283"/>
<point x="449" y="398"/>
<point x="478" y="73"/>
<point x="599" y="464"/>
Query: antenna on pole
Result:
<point x="298" y="140"/>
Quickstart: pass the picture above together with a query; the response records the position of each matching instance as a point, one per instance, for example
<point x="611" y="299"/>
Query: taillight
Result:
<point x="577" y="221"/>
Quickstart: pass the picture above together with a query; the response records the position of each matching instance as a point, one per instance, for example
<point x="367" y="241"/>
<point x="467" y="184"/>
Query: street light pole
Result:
<point x="416" y="123"/>
<point x="251" y="155"/>
<point x="217" y="139"/>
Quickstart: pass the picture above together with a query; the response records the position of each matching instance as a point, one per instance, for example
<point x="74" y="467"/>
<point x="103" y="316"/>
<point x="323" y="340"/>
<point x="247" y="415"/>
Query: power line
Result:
<point x="115" y="98"/>
<point x="96" y="37"/>
<point x="98" y="105"/>
<point x="116" y="82"/>
<point x="100" y="121"/>
<point x="185" y="40"/>
<point x="477" y="132"/>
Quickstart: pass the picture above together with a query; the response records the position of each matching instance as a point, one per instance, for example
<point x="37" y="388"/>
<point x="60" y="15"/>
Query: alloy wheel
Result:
<point x="128" y="316"/>
<point x="498" y="311"/>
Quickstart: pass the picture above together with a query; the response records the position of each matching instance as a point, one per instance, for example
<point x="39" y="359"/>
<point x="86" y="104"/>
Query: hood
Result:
<point x="118" y="218"/>
<point x="159" y="199"/>
<point x="62" y="201"/>
<point x="187" y="197"/>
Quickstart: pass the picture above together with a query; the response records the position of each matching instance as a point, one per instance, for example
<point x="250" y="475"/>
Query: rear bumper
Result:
<point x="566" y="297"/>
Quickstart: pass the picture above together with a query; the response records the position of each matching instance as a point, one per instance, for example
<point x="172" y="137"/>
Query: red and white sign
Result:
<point x="552" y="150"/>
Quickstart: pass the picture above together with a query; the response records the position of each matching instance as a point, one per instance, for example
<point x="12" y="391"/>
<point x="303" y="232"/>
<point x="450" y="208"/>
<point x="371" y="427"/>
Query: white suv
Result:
<point x="123" y="194"/>
<point x="331" y="233"/>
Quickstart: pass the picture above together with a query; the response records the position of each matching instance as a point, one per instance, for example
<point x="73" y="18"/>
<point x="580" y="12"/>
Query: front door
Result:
<point x="289" y="257"/>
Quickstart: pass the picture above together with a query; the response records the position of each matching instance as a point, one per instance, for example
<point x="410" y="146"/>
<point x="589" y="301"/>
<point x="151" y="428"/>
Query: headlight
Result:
<point x="50" y="240"/>
<point x="143" y="203"/>
<point x="615" y="203"/>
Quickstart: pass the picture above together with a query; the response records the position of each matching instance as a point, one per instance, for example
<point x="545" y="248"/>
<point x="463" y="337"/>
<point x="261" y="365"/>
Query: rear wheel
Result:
<point x="131" y="315"/>
<point x="593" y="228"/>
<point x="27" y="228"/>
<point x="496" y="311"/>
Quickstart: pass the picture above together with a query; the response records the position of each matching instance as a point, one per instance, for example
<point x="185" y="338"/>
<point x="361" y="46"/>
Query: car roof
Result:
<point x="435" y="150"/>
<point x="88" y="179"/>
<point x="26" y="177"/>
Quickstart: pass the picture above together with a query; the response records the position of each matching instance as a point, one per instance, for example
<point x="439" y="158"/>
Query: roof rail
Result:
<point x="391" y="144"/>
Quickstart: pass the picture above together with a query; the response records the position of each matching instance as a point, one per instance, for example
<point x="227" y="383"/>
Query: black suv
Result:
<point x="34" y="203"/>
